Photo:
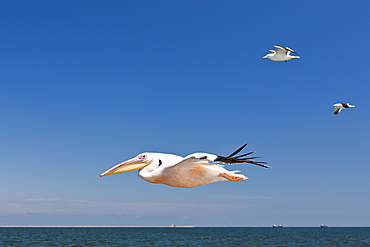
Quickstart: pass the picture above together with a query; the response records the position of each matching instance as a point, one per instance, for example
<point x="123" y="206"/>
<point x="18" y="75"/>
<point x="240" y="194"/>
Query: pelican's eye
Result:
<point x="142" y="157"/>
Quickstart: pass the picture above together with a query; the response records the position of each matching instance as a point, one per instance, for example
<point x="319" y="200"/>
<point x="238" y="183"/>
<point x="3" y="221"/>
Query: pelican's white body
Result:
<point x="193" y="170"/>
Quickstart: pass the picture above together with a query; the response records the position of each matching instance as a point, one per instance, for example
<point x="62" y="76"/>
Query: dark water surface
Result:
<point x="178" y="236"/>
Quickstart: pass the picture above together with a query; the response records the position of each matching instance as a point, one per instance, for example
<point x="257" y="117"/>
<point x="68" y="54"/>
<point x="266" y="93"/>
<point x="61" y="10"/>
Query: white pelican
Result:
<point x="193" y="170"/>
<point x="339" y="106"/>
<point x="282" y="54"/>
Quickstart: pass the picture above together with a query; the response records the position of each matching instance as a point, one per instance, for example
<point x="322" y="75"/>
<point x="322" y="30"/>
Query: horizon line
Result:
<point x="174" y="226"/>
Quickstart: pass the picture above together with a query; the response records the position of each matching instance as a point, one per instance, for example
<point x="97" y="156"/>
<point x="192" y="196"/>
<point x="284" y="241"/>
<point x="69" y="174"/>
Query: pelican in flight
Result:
<point x="282" y="54"/>
<point x="193" y="170"/>
<point x="339" y="106"/>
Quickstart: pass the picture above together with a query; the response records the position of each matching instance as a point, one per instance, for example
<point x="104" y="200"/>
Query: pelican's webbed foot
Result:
<point x="232" y="178"/>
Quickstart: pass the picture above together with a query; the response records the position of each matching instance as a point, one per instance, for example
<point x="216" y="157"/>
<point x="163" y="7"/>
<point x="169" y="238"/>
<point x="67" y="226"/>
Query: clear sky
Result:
<point x="85" y="85"/>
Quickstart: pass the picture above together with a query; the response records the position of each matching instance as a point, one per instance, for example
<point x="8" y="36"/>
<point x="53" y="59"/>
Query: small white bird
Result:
<point x="339" y="106"/>
<point x="282" y="54"/>
<point x="193" y="170"/>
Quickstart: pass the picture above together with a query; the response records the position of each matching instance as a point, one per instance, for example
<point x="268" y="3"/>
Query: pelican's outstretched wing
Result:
<point x="227" y="160"/>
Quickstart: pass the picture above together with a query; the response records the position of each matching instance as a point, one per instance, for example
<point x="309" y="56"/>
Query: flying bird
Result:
<point x="194" y="170"/>
<point x="339" y="106"/>
<point x="281" y="54"/>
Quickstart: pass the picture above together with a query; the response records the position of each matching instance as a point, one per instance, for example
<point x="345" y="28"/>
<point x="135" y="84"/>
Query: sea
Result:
<point x="184" y="236"/>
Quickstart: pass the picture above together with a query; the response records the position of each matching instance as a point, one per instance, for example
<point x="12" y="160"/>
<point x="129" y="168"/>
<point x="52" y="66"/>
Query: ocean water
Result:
<point x="181" y="236"/>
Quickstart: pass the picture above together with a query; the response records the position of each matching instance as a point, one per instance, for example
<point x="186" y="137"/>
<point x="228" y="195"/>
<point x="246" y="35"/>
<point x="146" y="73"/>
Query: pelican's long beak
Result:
<point x="126" y="166"/>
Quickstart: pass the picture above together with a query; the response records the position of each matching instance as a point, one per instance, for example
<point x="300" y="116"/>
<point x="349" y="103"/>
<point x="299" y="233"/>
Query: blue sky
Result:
<point x="85" y="85"/>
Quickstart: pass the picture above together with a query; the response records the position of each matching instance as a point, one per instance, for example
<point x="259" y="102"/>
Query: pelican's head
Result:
<point x="139" y="162"/>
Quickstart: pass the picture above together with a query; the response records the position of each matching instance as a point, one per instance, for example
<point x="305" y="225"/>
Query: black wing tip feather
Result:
<point x="237" y="151"/>
<point x="294" y="52"/>
<point x="232" y="160"/>
<point x="291" y="50"/>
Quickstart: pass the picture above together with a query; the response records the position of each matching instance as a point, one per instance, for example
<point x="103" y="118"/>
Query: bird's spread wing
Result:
<point x="211" y="159"/>
<point x="240" y="159"/>
<point x="281" y="50"/>
<point x="291" y="50"/>
<point x="284" y="50"/>
<point x="337" y="110"/>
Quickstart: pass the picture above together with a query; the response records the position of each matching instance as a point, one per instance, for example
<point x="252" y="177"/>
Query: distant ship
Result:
<point x="323" y="225"/>
<point x="173" y="225"/>
<point x="277" y="226"/>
